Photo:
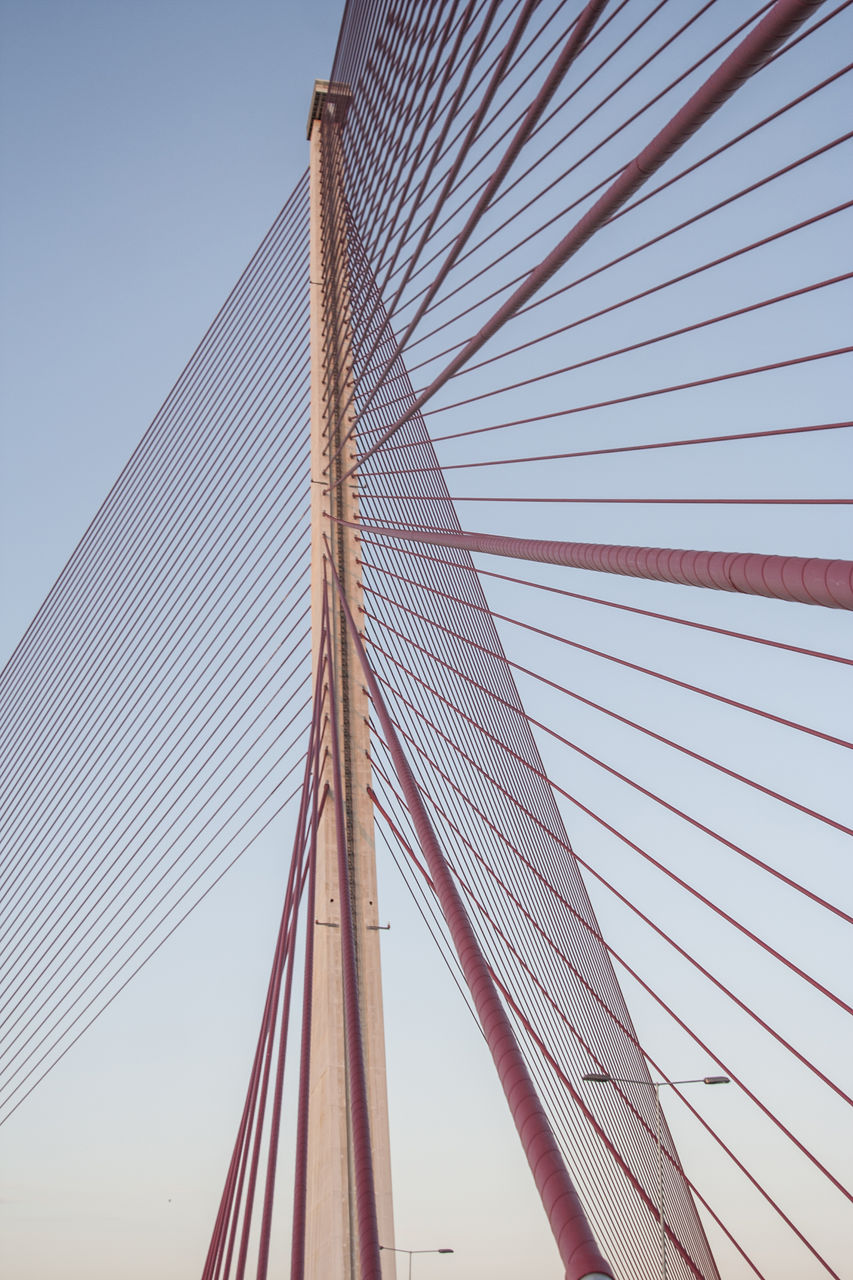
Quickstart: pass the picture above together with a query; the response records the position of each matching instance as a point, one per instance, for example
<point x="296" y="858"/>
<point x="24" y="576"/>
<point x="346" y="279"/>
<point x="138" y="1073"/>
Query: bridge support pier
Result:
<point x="332" y="1246"/>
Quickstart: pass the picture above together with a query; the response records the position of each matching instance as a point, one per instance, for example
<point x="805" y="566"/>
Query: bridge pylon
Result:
<point x="332" y="1230"/>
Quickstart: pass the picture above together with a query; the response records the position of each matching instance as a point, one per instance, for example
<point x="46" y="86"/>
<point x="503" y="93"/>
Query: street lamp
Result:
<point x="604" y="1077"/>
<point x="411" y="1252"/>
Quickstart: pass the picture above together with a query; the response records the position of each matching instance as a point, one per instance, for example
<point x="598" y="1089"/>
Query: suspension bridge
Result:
<point x="491" y="554"/>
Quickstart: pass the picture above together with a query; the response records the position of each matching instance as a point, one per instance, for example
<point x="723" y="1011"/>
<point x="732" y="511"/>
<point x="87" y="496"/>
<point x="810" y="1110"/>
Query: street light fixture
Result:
<point x="604" y="1077"/>
<point x="411" y="1252"/>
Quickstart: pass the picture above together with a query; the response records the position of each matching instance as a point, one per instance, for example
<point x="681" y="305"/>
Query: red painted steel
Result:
<point x="578" y="1249"/>
<point x="794" y="578"/>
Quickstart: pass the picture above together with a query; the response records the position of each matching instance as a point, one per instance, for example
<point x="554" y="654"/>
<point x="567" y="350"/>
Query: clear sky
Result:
<point x="144" y="151"/>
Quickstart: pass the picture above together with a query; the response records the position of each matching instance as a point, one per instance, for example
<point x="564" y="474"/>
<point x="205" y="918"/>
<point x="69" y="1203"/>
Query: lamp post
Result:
<point x="604" y="1077"/>
<point x="411" y="1252"/>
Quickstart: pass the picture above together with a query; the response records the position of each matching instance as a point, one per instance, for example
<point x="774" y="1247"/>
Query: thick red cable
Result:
<point x="484" y="911"/>
<point x="613" y="604"/>
<point x="793" y="578"/>
<point x="594" y="502"/>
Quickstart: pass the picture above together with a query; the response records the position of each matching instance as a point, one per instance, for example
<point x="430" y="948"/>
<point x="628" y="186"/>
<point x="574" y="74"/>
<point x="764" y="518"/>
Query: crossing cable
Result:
<point x="589" y="1014"/>
<point x="253" y="1115"/>
<point x="578" y="123"/>
<point x="373" y="122"/>
<point x="450" y="113"/>
<point x="472" y="95"/>
<point x="476" y="864"/>
<point x="595" y="34"/>
<point x="379" y="204"/>
<point x="608" y="451"/>
<point x="395" y="199"/>
<point x="715" y="835"/>
<point x="516" y="121"/>
<point x="555" y="817"/>
<point x="691" y="385"/>
<point x="660" y="675"/>
<point x="639" y="345"/>
<point x="535" y="723"/>
<point x="275" y="1123"/>
<point x="283" y="970"/>
<point x="622" y="1163"/>
<point x="477" y="621"/>
<point x="128" y="959"/>
<point x="627" y="208"/>
<point x="488" y="34"/>
<point x="300" y="1162"/>
<point x="548" y="996"/>
<point x="428" y="909"/>
<point x="121" y="931"/>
